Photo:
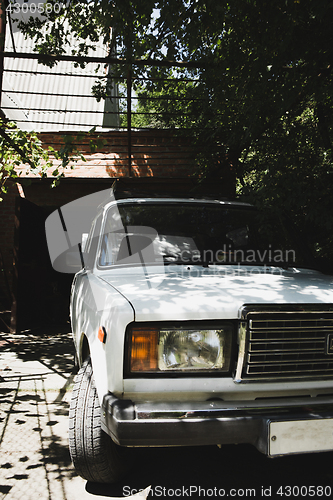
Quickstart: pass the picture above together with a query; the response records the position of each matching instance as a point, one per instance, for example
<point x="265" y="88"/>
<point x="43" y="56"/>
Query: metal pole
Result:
<point x="129" y="121"/>
<point x="102" y="60"/>
<point x="2" y="40"/>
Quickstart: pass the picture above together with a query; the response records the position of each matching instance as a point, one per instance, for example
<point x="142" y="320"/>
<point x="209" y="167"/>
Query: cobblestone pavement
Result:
<point x="35" y="375"/>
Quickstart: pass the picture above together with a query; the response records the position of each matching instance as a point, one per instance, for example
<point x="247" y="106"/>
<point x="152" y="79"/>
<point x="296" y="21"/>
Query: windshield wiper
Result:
<point x="283" y="265"/>
<point x="184" y="262"/>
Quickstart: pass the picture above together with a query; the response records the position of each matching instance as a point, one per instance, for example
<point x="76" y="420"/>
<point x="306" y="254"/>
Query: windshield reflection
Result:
<point x="192" y="233"/>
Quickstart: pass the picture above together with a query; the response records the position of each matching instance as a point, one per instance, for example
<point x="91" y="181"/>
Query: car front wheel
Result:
<point x="94" y="455"/>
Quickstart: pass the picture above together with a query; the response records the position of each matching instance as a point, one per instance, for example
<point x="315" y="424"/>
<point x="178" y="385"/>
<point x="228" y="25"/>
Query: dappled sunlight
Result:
<point x="35" y="459"/>
<point x="41" y="354"/>
<point x="215" y="292"/>
<point x="35" y="375"/>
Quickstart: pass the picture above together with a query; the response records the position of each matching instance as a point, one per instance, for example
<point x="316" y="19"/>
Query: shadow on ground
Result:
<point x="210" y="472"/>
<point x="52" y="347"/>
<point x="36" y="369"/>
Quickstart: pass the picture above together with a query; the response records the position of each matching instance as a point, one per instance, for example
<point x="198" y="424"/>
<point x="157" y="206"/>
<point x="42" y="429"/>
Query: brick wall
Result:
<point x="154" y="153"/>
<point x="7" y="227"/>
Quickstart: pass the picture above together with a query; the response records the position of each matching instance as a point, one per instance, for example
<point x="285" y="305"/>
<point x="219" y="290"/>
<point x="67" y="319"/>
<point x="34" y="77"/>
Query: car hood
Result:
<point x="216" y="292"/>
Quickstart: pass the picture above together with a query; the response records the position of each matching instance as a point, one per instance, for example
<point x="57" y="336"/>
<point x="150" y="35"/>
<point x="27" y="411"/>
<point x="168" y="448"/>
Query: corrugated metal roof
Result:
<point x="44" y="99"/>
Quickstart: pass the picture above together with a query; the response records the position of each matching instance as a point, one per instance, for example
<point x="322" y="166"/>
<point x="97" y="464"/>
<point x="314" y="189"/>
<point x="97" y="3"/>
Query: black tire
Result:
<point x="94" y="455"/>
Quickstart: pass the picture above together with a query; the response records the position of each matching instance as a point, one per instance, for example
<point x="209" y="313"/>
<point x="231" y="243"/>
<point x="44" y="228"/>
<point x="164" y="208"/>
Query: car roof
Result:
<point x="150" y="200"/>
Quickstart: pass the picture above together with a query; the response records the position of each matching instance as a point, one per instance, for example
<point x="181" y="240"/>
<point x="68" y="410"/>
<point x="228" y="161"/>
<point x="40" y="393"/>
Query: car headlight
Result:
<point x="183" y="350"/>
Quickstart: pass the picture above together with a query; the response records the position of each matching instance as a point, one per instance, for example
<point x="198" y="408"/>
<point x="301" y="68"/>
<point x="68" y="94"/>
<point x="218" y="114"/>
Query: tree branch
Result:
<point x="15" y="147"/>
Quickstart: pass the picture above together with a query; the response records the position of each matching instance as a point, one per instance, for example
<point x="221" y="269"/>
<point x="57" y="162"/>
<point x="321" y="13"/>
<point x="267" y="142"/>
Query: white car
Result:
<point x="195" y="324"/>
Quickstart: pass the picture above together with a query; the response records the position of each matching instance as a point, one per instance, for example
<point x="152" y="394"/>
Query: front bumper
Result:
<point x="260" y="423"/>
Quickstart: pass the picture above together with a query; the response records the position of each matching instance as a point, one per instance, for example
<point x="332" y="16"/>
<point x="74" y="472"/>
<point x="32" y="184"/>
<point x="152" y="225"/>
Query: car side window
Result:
<point x="92" y="242"/>
<point x="110" y="247"/>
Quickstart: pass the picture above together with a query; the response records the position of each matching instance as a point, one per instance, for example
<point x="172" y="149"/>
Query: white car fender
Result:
<point x="111" y="312"/>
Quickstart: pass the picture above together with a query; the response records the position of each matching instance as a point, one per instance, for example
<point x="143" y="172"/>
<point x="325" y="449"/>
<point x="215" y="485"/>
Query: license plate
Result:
<point x="300" y="436"/>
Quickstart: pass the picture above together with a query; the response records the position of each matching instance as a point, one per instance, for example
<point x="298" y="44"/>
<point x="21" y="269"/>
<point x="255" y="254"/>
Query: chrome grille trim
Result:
<point x="284" y="342"/>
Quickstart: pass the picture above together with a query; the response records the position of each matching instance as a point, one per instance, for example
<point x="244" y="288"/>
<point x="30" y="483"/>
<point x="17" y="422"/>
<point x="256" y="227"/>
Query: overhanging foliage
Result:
<point x="261" y="105"/>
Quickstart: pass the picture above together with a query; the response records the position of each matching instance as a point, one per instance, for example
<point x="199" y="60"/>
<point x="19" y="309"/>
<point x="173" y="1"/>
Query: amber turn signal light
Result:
<point x="102" y="334"/>
<point x="144" y="343"/>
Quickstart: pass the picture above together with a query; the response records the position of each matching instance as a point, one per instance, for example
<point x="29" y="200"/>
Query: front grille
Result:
<point x="288" y="344"/>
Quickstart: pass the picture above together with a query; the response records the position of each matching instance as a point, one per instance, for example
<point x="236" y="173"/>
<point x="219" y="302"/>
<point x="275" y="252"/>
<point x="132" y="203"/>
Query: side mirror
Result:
<point x="71" y="261"/>
<point x="75" y="260"/>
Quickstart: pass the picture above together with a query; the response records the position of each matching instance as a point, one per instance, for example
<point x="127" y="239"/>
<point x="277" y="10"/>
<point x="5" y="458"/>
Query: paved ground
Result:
<point x="35" y="375"/>
<point x="35" y="382"/>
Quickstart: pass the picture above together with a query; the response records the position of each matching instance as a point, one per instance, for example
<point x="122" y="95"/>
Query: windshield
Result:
<point x="191" y="232"/>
